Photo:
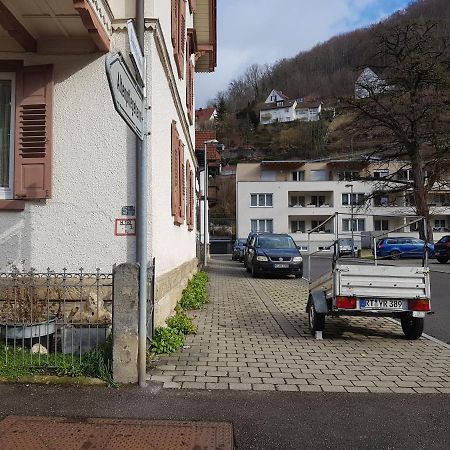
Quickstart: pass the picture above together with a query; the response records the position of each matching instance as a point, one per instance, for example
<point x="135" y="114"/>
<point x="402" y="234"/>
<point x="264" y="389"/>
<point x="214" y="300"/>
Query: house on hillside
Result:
<point x="368" y="84"/>
<point x="308" y="109"/>
<point x="205" y="118"/>
<point x="280" y="108"/>
<point x="68" y="160"/>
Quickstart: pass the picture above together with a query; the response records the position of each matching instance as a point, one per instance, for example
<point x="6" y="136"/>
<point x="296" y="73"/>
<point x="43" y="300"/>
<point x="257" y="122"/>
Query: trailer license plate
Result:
<point x="281" y="266"/>
<point x="381" y="304"/>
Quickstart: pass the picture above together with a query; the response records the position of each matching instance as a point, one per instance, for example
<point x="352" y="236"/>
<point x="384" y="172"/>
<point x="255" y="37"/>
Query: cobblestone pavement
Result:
<point x="254" y="336"/>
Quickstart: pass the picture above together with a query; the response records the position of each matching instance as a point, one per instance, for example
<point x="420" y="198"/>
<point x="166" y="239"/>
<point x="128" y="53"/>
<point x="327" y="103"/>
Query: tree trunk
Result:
<point x="420" y="193"/>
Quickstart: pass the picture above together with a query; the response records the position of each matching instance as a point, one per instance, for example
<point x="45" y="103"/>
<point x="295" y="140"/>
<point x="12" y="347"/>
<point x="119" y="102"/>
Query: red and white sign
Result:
<point x="125" y="227"/>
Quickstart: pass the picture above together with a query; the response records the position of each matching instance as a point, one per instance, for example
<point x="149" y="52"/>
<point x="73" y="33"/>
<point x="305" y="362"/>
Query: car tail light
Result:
<point x="419" y="304"/>
<point x="346" y="302"/>
<point x="380" y="244"/>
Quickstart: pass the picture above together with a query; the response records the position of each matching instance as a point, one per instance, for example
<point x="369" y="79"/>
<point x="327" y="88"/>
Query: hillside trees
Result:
<point x="409" y="108"/>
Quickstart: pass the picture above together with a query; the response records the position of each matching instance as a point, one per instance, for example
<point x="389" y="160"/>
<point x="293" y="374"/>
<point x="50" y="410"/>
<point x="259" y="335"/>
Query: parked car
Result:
<point x="238" y="249"/>
<point x="402" y="247"/>
<point x="274" y="254"/>
<point x="249" y="238"/>
<point x="345" y="247"/>
<point x="442" y="249"/>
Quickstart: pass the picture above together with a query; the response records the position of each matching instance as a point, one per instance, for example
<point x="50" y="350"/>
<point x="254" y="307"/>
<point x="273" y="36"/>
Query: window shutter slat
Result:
<point x="33" y="143"/>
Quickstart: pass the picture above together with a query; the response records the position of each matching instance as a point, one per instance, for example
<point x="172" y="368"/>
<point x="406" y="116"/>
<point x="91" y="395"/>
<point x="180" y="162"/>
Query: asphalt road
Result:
<point x="436" y="324"/>
<point x="261" y="420"/>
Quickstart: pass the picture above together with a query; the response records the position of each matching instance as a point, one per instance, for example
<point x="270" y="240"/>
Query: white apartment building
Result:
<point x="297" y="196"/>
<point x="68" y="160"/>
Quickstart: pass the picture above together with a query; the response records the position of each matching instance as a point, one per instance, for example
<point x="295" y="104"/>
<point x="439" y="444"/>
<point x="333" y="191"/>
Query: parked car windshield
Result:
<point x="275" y="242"/>
<point x="345" y="242"/>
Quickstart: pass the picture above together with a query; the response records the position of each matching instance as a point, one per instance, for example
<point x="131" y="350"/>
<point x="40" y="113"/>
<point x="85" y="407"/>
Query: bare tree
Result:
<point x="406" y="109"/>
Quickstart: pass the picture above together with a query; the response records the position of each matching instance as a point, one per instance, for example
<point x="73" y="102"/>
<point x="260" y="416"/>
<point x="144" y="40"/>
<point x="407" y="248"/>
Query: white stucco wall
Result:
<point x="94" y="169"/>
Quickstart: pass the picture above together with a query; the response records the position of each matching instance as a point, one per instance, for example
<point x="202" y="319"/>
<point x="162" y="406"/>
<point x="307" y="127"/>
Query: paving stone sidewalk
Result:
<point x="254" y="336"/>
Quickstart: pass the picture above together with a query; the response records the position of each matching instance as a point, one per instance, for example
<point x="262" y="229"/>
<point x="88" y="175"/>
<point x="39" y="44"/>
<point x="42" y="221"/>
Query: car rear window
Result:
<point x="444" y="240"/>
<point x="391" y="241"/>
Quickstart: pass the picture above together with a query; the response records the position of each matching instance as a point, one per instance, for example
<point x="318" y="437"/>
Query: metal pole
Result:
<point x="141" y="213"/>
<point x="205" y="208"/>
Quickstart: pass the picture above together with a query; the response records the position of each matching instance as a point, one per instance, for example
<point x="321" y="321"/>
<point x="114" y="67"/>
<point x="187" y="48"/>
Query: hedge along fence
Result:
<point x="169" y="339"/>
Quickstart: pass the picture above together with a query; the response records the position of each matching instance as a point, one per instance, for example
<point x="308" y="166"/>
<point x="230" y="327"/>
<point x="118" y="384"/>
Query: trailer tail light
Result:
<point x="346" y="302"/>
<point x="419" y="304"/>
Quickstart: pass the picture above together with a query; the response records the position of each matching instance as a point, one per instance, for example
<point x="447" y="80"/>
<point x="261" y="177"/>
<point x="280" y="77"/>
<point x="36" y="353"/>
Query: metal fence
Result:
<point x="46" y="315"/>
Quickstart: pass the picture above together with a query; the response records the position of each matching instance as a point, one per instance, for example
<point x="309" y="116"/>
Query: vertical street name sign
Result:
<point x="137" y="57"/>
<point x="126" y="92"/>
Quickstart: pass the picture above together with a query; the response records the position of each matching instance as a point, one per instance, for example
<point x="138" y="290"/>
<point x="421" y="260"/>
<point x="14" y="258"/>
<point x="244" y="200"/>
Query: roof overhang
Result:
<point x="205" y="24"/>
<point x="281" y="165"/>
<point x="63" y="26"/>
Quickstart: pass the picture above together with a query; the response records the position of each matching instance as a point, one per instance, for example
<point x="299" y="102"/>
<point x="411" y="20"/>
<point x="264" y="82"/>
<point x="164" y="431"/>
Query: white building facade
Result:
<point x="67" y="159"/>
<point x="297" y="196"/>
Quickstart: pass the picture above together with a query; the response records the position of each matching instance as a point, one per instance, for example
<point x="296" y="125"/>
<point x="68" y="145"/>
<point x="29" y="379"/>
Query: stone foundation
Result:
<point x="169" y="287"/>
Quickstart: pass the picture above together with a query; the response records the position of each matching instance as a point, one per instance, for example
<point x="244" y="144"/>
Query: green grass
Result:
<point x="20" y="362"/>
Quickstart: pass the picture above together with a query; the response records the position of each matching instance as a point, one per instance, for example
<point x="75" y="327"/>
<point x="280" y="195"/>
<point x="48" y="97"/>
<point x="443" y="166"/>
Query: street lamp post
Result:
<point x="351" y="217"/>
<point x="205" y="199"/>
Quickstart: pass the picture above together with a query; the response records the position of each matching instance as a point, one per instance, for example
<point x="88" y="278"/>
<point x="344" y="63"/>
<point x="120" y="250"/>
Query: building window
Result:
<point x="353" y="199"/>
<point x="381" y="173"/>
<point x="263" y="200"/>
<point x="262" y="225"/>
<point x="404" y="174"/>
<point x="317" y="200"/>
<point x="316" y="223"/>
<point x="381" y="225"/>
<point x="268" y="175"/>
<point x="297" y="200"/>
<point x="298" y="175"/>
<point x="348" y="176"/>
<point x="7" y="109"/>
<point x="358" y="224"/>
<point x="439" y="224"/>
<point x="297" y="226"/>
<point x="319" y="175"/>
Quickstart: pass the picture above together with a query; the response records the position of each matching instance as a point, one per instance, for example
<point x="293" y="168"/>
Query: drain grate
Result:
<point x="48" y="433"/>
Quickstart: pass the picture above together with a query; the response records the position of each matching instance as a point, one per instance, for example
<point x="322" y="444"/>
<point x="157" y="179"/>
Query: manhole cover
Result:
<point x="48" y="433"/>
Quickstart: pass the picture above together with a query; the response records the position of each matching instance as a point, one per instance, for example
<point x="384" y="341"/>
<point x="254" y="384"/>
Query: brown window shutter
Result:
<point x="182" y="184"/>
<point x="188" y="195"/>
<point x="33" y="143"/>
<point x="175" y="21"/>
<point x="181" y="50"/>
<point x="190" y="91"/>
<point x="174" y="169"/>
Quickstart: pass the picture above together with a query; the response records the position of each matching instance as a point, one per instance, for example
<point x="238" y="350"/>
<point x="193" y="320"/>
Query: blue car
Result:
<point x="402" y="247"/>
<point x="275" y="254"/>
<point x="238" y="250"/>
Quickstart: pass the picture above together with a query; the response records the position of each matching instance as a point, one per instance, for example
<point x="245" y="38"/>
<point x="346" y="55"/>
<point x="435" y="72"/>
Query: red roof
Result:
<point x="204" y="114"/>
<point x="206" y="135"/>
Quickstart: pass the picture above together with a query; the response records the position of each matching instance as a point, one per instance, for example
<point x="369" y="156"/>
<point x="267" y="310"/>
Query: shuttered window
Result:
<point x="178" y="177"/>
<point x="179" y="34"/>
<point x="189" y="197"/>
<point x="29" y="130"/>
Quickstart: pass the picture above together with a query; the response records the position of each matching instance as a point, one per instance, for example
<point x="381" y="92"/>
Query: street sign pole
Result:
<point x="141" y="209"/>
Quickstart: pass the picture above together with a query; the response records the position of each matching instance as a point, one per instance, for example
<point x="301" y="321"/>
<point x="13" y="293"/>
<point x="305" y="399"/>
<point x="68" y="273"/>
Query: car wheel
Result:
<point x="442" y="260"/>
<point x="247" y="268"/>
<point x="395" y="254"/>
<point x="412" y="326"/>
<point x="254" y="272"/>
<point x="299" y="275"/>
<point x="316" y="321"/>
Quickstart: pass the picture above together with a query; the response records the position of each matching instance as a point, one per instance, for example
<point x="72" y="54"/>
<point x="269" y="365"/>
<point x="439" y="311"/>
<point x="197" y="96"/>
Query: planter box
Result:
<point x="35" y="330"/>
<point x="80" y="340"/>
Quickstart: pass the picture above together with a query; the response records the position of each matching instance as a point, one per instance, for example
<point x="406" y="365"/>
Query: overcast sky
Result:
<point x="264" y="31"/>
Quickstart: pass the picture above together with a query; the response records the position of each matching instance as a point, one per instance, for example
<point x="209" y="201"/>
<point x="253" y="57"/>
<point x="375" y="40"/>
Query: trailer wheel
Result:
<point x="316" y="320"/>
<point x="412" y="326"/>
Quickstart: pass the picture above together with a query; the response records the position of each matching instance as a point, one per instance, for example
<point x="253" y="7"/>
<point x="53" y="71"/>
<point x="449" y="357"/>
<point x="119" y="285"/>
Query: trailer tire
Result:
<point x="316" y="320"/>
<point x="412" y="326"/>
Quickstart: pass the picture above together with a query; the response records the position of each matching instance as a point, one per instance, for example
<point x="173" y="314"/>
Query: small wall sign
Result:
<point x="128" y="211"/>
<point x="125" y="227"/>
